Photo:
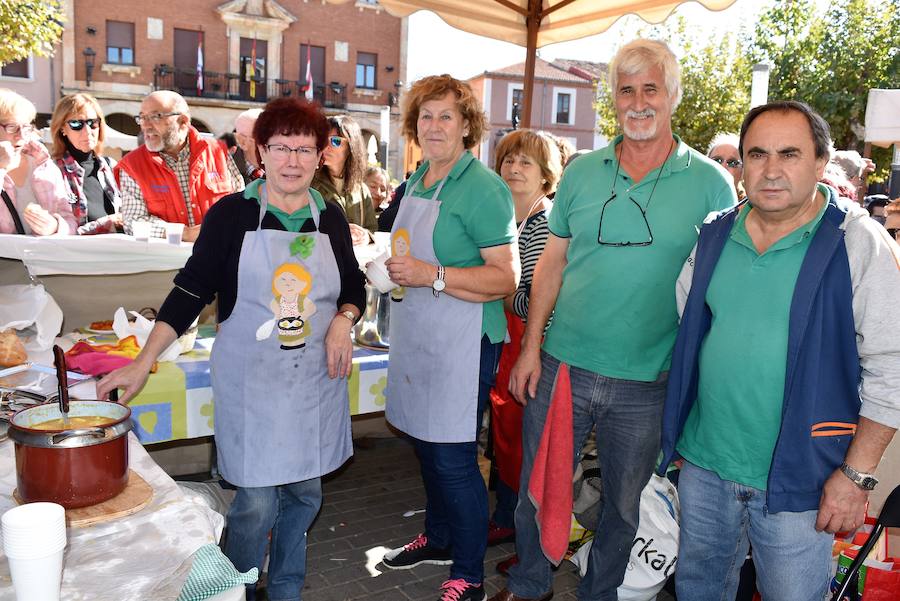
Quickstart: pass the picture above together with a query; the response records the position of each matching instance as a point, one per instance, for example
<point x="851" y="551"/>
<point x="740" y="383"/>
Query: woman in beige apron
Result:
<point x="281" y="263"/>
<point x="457" y="218"/>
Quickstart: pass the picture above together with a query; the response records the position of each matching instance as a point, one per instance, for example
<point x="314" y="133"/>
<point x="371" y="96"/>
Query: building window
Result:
<point x="366" y="63"/>
<point x="517" y="97"/>
<point x="119" y="43"/>
<point x="17" y="69"/>
<point x="562" y="107"/>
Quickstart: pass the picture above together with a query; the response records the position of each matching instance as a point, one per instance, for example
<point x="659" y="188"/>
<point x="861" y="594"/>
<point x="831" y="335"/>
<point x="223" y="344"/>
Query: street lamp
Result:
<point x="89" y="55"/>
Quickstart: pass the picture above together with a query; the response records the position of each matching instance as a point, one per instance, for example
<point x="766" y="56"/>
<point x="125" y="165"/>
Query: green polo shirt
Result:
<point x="292" y="222"/>
<point x="733" y="426"/>
<point x="615" y="314"/>
<point x="476" y="212"/>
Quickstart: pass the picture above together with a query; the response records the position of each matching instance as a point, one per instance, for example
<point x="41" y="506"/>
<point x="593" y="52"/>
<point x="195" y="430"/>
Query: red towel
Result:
<point x="550" y="487"/>
<point x="506" y="412"/>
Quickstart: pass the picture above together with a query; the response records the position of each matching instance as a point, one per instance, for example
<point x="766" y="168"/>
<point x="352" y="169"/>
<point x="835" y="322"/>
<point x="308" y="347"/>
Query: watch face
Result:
<point x="868" y="483"/>
<point x="439" y="285"/>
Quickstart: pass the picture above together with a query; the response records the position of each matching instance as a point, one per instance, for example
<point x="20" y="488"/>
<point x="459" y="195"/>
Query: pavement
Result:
<point x="365" y="512"/>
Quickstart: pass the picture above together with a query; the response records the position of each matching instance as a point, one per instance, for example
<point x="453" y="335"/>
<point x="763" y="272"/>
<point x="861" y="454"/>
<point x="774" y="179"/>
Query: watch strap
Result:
<point x="349" y="315"/>
<point x="862" y="480"/>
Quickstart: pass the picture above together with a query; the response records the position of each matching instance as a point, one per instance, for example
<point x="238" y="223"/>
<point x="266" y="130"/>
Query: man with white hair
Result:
<point x="243" y="133"/>
<point x="176" y="175"/>
<point x="624" y="220"/>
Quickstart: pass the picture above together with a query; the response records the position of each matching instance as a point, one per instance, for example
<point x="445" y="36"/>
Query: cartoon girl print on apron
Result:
<point x="400" y="246"/>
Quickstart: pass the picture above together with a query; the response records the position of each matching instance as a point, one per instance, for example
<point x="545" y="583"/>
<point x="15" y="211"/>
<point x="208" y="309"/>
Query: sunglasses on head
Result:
<point x="335" y="141"/>
<point x="733" y="163"/>
<point x="77" y="124"/>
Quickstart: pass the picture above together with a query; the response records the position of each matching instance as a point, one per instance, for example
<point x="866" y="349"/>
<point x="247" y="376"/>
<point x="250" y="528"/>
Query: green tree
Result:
<point x="715" y="77"/>
<point x="29" y="27"/>
<point x="831" y="60"/>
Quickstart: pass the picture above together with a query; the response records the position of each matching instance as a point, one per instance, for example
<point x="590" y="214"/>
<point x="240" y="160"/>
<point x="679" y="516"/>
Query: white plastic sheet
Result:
<point x="143" y="556"/>
<point x="25" y="306"/>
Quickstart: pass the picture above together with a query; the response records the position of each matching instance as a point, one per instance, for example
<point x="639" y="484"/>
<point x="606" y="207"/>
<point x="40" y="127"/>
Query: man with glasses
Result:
<point x="176" y="175"/>
<point x="723" y="149"/>
<point x="785" y="382"/>
<point x="243" y="133"/>
<point x="624" y="220"/>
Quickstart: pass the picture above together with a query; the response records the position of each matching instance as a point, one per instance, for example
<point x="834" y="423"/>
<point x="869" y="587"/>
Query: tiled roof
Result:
<point x="584" y="68"/>
<point x="542" y="70"/>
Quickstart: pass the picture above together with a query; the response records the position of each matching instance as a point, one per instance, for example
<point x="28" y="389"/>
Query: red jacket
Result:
<point x="209" y="179"/>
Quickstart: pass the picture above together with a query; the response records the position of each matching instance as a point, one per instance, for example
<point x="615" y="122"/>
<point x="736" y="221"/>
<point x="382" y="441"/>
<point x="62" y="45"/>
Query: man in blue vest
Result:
<point x="784" y="389"/>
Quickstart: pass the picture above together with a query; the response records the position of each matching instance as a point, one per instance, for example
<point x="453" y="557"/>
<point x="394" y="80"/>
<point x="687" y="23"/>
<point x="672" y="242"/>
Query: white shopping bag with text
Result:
<point x="654" y="551"/>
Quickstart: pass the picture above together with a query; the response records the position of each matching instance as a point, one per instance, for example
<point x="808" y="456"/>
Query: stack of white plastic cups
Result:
<point x="34" y="537"/>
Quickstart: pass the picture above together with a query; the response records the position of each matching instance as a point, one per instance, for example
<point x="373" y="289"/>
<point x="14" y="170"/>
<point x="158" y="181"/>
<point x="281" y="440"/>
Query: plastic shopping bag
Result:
<point x="654" y="551"/>
<point x="878" y="580"/>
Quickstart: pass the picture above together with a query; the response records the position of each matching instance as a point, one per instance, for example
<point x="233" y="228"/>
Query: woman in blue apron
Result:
<point x="289" y="289"/>
<point x="457" y="218"/>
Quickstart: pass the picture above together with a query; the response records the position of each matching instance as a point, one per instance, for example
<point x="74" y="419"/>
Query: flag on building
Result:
<point x="309" y="78"/>
<point x="251" y="72"/>
<point x="199" y="63"/>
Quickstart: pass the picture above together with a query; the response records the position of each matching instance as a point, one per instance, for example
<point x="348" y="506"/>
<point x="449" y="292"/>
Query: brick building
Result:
<point x="247" y="51"/>
<point x="563" y="101"/>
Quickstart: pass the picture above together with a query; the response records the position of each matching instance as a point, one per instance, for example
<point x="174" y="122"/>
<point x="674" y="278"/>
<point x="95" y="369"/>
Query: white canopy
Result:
<point x="883" y="117"/>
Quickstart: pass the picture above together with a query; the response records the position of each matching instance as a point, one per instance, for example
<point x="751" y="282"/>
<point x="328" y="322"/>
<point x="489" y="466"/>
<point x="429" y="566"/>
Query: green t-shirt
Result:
<point x="733" y="426"/>
<point x="615" y="314"/>
<point x="292" y="222"/>
<point x="476" y="212"/>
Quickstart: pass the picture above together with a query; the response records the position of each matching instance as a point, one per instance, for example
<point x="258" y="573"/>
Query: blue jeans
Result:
<point x="287" y="511"/>
<point x="456" y="508"/>
<point x="627" y="415"/>
<point x="505" y="509"/>
<point x="719" y="522"/>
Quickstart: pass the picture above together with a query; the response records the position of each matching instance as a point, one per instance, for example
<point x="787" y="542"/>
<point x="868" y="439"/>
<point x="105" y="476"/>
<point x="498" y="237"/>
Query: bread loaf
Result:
<point x="12" y="351"/>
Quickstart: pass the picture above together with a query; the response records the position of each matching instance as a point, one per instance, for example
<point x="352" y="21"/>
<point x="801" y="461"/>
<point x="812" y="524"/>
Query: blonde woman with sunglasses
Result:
<point x="35" y="200"/>
<point x="341" y="173"/>
<point x="78" y="132"/>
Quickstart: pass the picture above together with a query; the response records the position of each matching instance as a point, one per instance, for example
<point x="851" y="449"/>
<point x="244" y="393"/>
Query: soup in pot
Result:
<point x="75" y="422"/>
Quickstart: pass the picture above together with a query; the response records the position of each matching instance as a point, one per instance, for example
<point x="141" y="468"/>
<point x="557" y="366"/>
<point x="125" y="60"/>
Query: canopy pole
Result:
<point x="533" y="23"/>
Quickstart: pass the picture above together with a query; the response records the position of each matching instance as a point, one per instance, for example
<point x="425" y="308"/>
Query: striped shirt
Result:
<point x="531" y="245"/>
<point x="134" y="208"/>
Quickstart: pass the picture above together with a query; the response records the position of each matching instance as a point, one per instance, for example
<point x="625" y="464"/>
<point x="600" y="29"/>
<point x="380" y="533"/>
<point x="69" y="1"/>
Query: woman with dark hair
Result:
<point x="281" y="263"/>
<point x="456" y="226"/>
<point x="78" y="131"/>
<point x="340" y="178"/>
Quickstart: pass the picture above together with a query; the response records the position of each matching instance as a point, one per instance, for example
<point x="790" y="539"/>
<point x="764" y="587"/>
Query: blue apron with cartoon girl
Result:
<point x="279" y="418"/>
<point x="432" y="389"/>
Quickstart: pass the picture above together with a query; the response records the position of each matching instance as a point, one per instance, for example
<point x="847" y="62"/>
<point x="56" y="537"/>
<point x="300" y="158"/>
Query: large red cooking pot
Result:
<point x="73" y="467"/>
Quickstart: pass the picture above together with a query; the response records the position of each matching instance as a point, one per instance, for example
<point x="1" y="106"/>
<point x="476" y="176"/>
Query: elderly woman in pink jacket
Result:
<point x="35" y="198"/>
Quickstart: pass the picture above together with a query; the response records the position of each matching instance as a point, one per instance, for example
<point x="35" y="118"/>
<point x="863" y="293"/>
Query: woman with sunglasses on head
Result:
<point x="724" y="150"/>
<point x="340" y="177"/>
<point x="78" y="132"/>
<point x="35" y="199"/>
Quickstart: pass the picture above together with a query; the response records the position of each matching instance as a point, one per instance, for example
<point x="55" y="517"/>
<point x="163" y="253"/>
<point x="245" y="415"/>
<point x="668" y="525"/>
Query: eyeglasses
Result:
<point x="281" y="152"/>
<point x="14" y="128"/>
<point x="77" y="124"/>
<point x="336" y="141"/>
<point x="153" y="117"/>
<point x="646" y="242"/>
<point x="732" y="163"/>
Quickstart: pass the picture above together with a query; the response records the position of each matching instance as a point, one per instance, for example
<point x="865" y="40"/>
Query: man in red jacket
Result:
<point x="176" y="175"/>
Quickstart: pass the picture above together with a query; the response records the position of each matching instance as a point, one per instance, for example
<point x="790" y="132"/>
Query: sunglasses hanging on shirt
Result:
<point x="77" y="124"/>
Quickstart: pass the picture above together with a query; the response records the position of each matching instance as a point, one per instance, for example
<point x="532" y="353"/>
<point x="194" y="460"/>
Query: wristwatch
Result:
<point x="349" y="315"/>
<point x="438" y="285"/>
<point x="864" y="481"/>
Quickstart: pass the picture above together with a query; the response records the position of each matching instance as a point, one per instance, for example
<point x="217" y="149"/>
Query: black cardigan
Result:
<point x="212" y="269"/>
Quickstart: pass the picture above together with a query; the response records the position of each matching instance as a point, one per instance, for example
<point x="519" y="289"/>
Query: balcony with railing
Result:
<point x="231" y="86"/>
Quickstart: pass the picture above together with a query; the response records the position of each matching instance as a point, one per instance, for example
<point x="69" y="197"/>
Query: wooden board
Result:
<point x="136" y="496"/>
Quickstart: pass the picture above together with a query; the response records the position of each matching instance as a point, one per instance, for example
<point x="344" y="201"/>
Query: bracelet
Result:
<point x="349" y="315"/>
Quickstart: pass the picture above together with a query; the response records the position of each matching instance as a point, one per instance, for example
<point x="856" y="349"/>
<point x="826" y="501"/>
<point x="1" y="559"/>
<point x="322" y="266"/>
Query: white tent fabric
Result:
<point x="114" y="139"/>
<point x="562" y="20"/>
<point x="883" y="117"/>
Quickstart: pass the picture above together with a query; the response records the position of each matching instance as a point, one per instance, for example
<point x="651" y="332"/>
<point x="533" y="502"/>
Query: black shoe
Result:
<point x="416" y="553"/>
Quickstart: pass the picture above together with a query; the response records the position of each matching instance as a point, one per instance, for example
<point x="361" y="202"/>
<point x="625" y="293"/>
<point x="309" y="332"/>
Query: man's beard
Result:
<point x="640" y="134"/>
<point x="168" y="140"/>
